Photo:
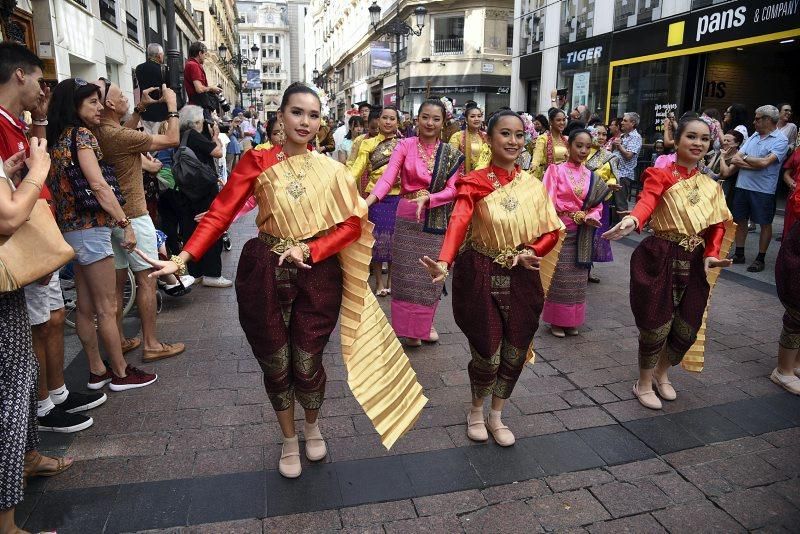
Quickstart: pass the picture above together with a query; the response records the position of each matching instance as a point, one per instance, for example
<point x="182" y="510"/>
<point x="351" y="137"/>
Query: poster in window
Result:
<point x="580" y="89"/>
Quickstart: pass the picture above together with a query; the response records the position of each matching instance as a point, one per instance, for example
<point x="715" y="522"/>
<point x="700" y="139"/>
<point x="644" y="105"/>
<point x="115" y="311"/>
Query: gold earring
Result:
<point x="281" y="134"/>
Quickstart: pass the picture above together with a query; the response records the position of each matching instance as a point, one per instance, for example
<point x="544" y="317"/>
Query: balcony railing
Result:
<point x="448" y="46"/>
<point x="132" y="26"/>
<point x="108" y="11"/>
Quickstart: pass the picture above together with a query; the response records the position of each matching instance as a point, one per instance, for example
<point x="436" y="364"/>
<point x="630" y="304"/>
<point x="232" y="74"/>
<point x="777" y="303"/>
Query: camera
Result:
<point x="223" y="103"/>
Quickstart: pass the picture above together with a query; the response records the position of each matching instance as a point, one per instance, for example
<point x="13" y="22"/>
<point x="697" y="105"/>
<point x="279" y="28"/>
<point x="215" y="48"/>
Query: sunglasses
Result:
<point x="107" y="84"/>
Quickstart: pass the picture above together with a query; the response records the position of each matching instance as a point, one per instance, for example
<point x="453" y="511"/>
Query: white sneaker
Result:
<point x="219" y="281"/>
<point x="788" y="382"/>
<point x="187" y="280"/>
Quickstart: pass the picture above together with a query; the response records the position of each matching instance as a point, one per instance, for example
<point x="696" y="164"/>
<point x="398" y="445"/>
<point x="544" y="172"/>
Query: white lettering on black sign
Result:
<point x="586" y="54"/>
<point x="721" y="20"/>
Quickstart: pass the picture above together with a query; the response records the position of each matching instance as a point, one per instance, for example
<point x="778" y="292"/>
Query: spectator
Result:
<point x="75" y="107"/>
<point x="153" y="74"/>
<point x="324" y="139"/>
<point x="541" y="124"/>
<point x="235" y="146"/>
<point x="627" y="147"/>
<point x="787" y="128"/>
<point x="759" y="163"/>
<point x="195" y="81"/>
<point x="18" y="379"/>
<point x="712" y="118"/>
<point x="355" y="128"/>
<point x="192" y="124"/>
<point x="736" y="119"/>
<point x="614" y="131"/>
<point x="21" y="89"/>
<point x="122" y="147"/>
<point x="720" y="163"/>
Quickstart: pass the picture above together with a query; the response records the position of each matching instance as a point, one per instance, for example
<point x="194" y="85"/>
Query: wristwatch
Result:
<point x="124" y="223"/>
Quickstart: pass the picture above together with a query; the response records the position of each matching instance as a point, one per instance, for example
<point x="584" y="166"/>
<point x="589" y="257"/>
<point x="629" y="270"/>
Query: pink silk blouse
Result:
<point x="560" y="188"/>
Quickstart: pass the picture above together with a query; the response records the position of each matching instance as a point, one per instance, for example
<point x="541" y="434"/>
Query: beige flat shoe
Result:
<point x="315" y="443"/>
<point x="409" y="342"/>
<point x="433" y="337"/>
<point x="648" y="399"/>
<point x="557" y="331"/>
<point x="665" y="389"/>
<point x="501" y="434"/>
<point x="289" y="464"/>
<point x="790" y="383"/>
<point x="476" y="428"/>
<point x="571" y="331"/>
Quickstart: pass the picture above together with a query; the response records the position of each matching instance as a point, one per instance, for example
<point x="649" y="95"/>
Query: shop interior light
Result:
<point x="787" y="41"/>
<point x="739" y="48"/>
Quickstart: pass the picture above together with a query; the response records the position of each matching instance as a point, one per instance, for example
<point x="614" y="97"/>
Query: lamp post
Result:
<point x="398" y="28"/>
<point x="239" y="60"/>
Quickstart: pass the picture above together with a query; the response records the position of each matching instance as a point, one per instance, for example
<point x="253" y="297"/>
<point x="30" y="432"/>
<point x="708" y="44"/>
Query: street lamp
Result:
<point x="398" y="28"/>
<point x="239" y="60"/>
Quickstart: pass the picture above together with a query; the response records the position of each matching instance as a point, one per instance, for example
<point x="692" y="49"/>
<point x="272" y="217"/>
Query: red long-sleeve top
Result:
<point x="470" y="189"/>
<point x="656" y="183"/>
<point x="241" y="184"/>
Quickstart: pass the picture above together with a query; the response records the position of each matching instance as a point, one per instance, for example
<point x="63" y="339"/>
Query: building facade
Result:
<point x="654" y="56"/>
<point x="219" y="20"/>
<point x="463" y="52"/>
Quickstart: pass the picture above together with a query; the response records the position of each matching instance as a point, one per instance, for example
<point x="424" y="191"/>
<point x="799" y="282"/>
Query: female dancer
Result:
<point x="604" y="164"/>
<point x="373" y="156"/>
<point x="471" y="141"/>
<point x="787" y="265"/>
<point x="498" y="288"/>
<point x="427" y="169"/>
<point x="551" y="146"/>
<point x="671" y="277"/>
<point x="578" y="195"/>
<point x="290" y="283"/>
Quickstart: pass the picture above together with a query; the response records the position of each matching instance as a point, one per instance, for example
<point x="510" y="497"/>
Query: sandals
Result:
<point x="648" y="399"/>
<point x="665" y="389"/>
<point x="289" y="464"/>
<point x="31" y="466"/>
<point x="476" y="428"/>
<point x="382" y="293"/>
<point x="315" y="443"/>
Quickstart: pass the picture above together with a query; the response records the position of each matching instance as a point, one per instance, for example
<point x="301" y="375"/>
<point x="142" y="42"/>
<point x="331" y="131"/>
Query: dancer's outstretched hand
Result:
<point x="713" y="263"/>
<point x="621" y="229"/>
<point x="529" y="261"/>
<point x="294" y="255"/>
<point x="161" y="267"/>
<point x="437" y="269"/>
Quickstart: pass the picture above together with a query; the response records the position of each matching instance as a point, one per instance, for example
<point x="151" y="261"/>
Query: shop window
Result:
<point x="108" y="11"/>
<point x="531" y="32"/>
<point x="697" y="4"/>
<point x="629" y="13"/>
<point x="510" y="37"/>
<point x="448" y="34"/>
<point x="577" y="20"/>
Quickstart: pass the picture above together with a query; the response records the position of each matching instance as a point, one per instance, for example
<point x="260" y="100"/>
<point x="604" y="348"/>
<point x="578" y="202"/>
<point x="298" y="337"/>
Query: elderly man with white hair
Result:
<point x="153" y="73"/>
<point x="759" y="162"/>
<point x="626" y="147"/>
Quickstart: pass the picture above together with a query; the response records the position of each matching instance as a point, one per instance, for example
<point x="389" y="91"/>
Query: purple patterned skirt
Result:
<point x="383" y="215"/>
<point x="602" y="247"/>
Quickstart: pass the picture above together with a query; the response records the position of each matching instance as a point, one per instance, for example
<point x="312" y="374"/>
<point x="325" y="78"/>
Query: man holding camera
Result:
<point x="196" y="83"/>
<point x="153" y="73"/>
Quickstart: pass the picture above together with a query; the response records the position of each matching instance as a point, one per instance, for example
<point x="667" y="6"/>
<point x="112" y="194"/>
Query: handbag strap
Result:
<point x="185" y="137"/>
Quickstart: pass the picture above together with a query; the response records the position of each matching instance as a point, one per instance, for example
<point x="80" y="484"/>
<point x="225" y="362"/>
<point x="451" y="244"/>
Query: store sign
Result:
<point x="661" y="113"/>
<point x="487" y="67"/>
<point x="503" y="90"/>
<point x="253" y="79"/>
<point x="585" y="54"/>
<point x="717" y="24"/>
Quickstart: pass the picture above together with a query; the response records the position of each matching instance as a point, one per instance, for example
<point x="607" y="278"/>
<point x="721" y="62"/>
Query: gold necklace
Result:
<point x="692" y="193"/>
<point x="390" y="147"/>
<point x="577" y="187"/>
<point x="509" y="203"/>
<point x="423" y="154"/>
<point x="295" y="187"/>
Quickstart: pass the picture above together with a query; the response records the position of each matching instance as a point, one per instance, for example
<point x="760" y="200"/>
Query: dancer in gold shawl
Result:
<point x="674" y="270"/>
<point x="502" y="273"/>
<point x="309" y="264"/>
<point x="472" y="141"/>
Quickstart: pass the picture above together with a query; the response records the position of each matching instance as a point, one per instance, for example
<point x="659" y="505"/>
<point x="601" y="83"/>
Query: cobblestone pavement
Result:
<point x="197" y="452"/>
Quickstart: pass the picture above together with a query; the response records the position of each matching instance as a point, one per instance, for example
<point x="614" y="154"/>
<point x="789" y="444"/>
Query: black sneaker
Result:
<point x="80" y="402"/>
<point x="60" y="421"/>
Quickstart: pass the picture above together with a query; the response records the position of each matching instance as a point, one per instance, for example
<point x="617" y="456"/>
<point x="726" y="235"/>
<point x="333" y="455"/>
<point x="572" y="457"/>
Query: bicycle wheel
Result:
<point x="70" y="294"/>
<point x="129" y="293"/>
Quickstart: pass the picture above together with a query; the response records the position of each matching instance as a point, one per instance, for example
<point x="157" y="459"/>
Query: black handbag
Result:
<point x="85" y="198"/>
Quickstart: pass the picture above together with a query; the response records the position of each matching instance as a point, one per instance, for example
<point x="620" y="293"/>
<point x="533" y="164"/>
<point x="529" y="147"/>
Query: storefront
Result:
<point x="583" y="70"/>
<point x="530" y="73"/>
<point x="739" y="52"/>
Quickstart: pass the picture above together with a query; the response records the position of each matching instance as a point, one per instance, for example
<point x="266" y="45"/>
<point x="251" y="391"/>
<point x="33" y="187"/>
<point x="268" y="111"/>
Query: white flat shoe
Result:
<point x="289" y="464"/>
<point x="433" y="337"/>
<point x="790" y="383"/>
<point x="476" y="428"/>
<point x="648" y="399"/>
<point x="315" y="443"/>
<point x="665" y="389"/>
<point x="557" y="331"/>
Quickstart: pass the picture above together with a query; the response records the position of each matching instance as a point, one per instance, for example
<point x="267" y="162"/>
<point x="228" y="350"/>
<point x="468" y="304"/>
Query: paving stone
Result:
<point x="323" y="521"/>
<point x="579" y="479"/>
<point x="707" y="479"/>
<point x="424" y="525"/>
<point x="568" y="509"/>
<point x="516" y="491"/>
<point x="677" y="488"/>
<point x="741" y="446"/>
<point x="510" y="517"/>
<point x="629" y="498"/>
<point x="203" y="439"/>
<point x="786" y="460"/>
<point x="755" y="507"/>
<point x="139" y="444"/>
<point x="423" y="439"/>
<point x="748" y="471"/>
<point x="627" y="410"/>
<point x="244" y="526"/>
<point x="576" y="398"/>
<point x="577" y="418"/>
<point x="697" y="517"/>
<point x="662" y="435"/>
<point x="229" y="461"/>
<point x="449" y="503"/>
<point x="789" y="489"/>
<point x="601" y="395"/>
<point x="369" y="514"/>
<point x="524" y="426"/>
<point x="166" y="467"/>
<point x="540" y="403"/>
<point x="639" y="469"/>
<point x="615" y="444"/>
<point x="783" y="438"/>
<point x="637" y="524"/>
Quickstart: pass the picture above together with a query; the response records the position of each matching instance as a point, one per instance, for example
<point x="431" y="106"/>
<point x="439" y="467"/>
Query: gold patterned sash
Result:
<point x="378" y="371"/>
<point x="515" y="215"/>
<point x="687" y="208"/>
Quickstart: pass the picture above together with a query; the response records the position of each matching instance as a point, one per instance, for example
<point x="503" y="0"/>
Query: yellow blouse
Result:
<point x="606" y="171"/>
<point x="539" y="161"/>
<point x="362" y="163"/>
<point x="477" y="155"/>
